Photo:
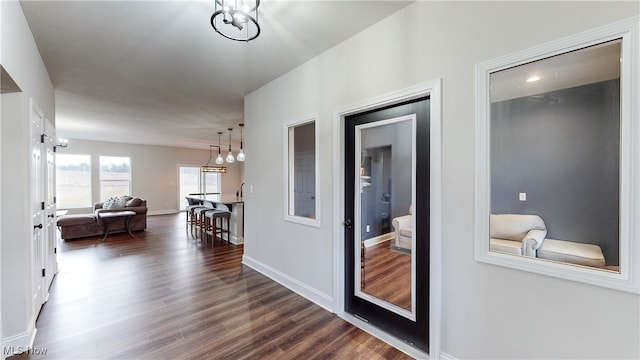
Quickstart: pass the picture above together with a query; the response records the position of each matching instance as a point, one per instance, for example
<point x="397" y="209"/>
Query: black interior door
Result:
<point x="360" y="179"/>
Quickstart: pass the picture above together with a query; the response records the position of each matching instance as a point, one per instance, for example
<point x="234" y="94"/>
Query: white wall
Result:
<point x="488" y="311"/>
<point x="154" y="170"/>
<point x="16" y="219"/>
<point x="1" y="332"/>
<point x="21" y="59"/>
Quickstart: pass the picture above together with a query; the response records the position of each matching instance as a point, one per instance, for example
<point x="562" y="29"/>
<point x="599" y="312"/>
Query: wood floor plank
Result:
<point x="388" y="275"/>
<point x="164" y="295"/>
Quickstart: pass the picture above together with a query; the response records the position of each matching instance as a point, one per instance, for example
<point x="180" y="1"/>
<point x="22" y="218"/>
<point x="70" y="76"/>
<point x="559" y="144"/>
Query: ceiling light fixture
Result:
<point x="236" y="19"/>
<point x="240" y="156"/>
<point x="230" y="158"/>
<point x="213" y="168"/>
<point x="62" y="143"/>
<point x="533" y="78"/>
<point x="219" y="159"/>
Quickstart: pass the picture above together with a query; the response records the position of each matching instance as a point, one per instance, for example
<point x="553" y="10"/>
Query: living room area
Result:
<point x="149" y="95"/>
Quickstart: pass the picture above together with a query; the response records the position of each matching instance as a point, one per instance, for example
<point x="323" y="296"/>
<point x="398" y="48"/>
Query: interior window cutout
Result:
<point x="555" y="165"/>
<point x="301" y="173"/>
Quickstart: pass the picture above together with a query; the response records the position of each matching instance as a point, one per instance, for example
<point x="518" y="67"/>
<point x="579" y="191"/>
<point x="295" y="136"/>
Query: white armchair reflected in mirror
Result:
<point x="555" y="168"/>
<point x="403" y="228"/>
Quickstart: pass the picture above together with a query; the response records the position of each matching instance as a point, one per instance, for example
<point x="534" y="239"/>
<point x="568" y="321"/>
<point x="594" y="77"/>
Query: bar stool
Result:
<point x="211" y="225"/>
<point x="198" y="219"/>
<point x="191" y="207"/>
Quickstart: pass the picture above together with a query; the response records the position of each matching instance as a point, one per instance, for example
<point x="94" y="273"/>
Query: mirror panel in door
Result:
<point x="384" y="221"/>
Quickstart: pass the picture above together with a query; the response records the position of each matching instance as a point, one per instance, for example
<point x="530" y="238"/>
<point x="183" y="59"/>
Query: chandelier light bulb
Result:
<point x="230" y="158"/>
<point x="240" y="156"/>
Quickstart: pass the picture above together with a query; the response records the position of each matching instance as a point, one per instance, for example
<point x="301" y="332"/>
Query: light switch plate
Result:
<point x="522" y="196"/>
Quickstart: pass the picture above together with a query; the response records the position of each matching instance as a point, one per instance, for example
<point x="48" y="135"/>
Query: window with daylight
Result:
<point x="73" y="181"/>
<point x="192" y="180"/>
<point x="115" y="176"/>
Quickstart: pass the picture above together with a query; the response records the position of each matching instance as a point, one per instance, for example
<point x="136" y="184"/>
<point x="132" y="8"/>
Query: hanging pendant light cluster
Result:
<point x="229" y="158"/>
<point x="236" y="19"/>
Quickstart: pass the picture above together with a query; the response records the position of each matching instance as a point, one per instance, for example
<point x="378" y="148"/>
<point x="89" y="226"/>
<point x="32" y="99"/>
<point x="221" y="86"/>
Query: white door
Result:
<point x="37" y="209"/>
<point x="305" y="185"/>
<point x="50" y="241"/>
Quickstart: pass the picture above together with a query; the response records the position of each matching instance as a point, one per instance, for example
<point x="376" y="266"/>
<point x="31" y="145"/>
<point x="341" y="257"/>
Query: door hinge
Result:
<point x="42" y="138"/>
<point x="44" y="272"/>
<point x="55" y="250"/>
<point x="55" y="199"/>
<point x="54" y="148"/>
<point x="42" y="205"/>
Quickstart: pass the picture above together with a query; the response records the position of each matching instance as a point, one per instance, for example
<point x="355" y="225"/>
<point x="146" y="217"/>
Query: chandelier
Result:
<point x="213" y="168"/>
<point x="236" y="19"/>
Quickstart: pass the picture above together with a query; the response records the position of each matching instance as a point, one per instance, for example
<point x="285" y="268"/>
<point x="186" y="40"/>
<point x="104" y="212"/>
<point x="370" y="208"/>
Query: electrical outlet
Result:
<point x="368" y="228"/>
<point x="522" y="196"/>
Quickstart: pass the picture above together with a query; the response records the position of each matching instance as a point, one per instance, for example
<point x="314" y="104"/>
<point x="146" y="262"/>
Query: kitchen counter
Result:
<point x="232" y="203"/>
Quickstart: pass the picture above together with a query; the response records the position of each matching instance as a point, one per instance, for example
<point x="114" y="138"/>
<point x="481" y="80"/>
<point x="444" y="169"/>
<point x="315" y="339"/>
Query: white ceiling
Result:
<point x="570" y="69"/>
<point x="155" y="72"/>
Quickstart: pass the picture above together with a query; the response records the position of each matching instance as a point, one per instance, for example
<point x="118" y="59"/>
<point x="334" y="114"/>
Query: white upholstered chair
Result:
<point x="403" y="226"/>
<point x="517" y="234"/>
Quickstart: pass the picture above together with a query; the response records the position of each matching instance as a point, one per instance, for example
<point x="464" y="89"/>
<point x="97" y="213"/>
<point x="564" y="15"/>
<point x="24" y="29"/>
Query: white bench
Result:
<point x="571" y="252"/>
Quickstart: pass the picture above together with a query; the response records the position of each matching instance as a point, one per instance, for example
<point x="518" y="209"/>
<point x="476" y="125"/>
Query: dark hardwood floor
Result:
<point x="387" y="275"/>
<point x="162" y="295"/>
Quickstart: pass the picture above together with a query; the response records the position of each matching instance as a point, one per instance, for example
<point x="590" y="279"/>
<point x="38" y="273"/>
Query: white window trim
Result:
<point x="313" y="118"/>
<point x="629" y="277"/>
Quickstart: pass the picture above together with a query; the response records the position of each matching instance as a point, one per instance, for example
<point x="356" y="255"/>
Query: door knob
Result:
<point x="348" y="223"/>
<point x="51" y="215"/>
<point x="39" y="226"/>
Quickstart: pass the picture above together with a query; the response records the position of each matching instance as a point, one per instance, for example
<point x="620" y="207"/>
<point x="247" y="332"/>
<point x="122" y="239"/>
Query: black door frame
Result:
<point x="433" y="89"/>
<point x="413" y="332"/>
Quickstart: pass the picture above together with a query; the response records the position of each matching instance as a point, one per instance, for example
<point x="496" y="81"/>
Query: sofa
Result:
<point x="517" y="234"/>
<point x="522" y="234"/>
<point x="84" y="225"/>
<point x="403" y="226"/>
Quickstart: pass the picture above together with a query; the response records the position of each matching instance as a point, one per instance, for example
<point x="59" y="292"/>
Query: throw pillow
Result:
<point x="108" y="204"/>
<point x="118" y="202"/>
<point x="133" y="202"/>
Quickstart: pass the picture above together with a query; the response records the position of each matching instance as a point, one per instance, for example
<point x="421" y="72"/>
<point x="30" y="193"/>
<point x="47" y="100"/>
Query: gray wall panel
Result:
<point x="562" y="150"/>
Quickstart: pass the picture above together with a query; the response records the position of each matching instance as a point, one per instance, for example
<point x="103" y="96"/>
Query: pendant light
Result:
<point x="240" y="156"/>
<point x="212" y="168"/>
<point x="230" y="158"/>
<point x="219" y="159"/>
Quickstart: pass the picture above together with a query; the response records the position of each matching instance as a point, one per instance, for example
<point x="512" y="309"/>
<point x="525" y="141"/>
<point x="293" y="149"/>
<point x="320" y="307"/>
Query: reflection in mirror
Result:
<point x="301" y="171"/>
<point x="384" y="220"/>
<point x="555" y="158"/>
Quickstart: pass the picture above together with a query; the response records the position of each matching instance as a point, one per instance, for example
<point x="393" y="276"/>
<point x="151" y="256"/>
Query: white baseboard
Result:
<point x="19" y="343"/>
<point x="444" y="356"/>
<point x="237" y="240"/>
<point x="379" y="239"/>
<point x="321" y="299"/>
<point x="162" y="212"/>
